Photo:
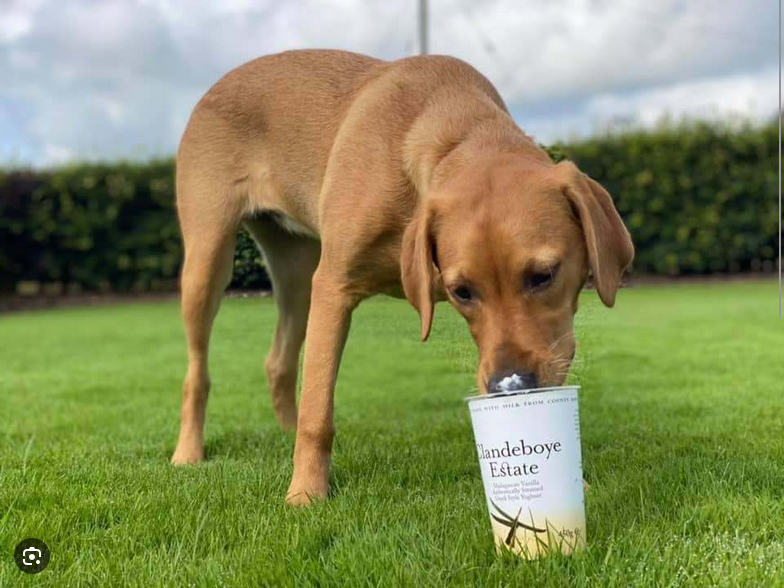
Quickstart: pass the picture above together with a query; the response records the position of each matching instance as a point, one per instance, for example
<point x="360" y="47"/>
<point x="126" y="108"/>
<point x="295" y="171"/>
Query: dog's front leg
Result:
<point x="328" y="324"/>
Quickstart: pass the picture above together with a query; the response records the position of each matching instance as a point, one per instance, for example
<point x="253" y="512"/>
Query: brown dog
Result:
<point x="356" y="177"/>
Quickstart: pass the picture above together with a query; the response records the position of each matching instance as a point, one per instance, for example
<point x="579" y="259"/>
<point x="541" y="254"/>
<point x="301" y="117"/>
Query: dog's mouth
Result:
<point x="555" y="374"/>
<point x="511" y="381"/>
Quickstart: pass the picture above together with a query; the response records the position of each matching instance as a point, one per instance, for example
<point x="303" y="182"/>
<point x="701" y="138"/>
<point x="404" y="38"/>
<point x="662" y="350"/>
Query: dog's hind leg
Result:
<point x="290" y="261"/>
<point x="209" y="222"/>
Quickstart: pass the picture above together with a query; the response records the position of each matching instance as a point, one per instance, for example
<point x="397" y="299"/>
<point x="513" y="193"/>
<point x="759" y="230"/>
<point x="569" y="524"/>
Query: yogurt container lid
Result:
<point x="528" y="391"/>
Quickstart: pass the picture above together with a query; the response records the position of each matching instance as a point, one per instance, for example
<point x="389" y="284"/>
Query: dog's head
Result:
<point x="511" y="246"/>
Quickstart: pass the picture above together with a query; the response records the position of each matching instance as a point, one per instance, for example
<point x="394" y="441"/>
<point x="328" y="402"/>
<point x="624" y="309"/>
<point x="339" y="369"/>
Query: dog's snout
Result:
<point x="512" y="381"/>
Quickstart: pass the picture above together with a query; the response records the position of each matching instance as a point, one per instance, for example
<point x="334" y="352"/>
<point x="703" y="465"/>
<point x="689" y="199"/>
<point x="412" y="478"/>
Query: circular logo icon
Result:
<point x="31" y="556"/>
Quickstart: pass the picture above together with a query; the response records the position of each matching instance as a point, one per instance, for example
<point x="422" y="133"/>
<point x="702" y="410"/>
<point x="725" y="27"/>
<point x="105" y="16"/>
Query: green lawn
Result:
<point x="682" y="427"/>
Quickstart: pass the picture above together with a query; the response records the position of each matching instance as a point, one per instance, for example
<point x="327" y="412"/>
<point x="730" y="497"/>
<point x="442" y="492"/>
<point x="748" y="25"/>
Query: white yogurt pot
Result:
<point x="528" y="444"/>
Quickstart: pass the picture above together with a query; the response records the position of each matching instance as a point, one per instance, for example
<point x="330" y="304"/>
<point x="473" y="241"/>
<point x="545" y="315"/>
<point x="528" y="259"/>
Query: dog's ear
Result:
<point x="610" y="248"/>
<point x="417" y="265"/>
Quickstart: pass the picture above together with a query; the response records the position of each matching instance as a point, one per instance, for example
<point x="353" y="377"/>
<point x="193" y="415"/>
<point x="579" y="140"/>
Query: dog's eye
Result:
<point x="537" y="281"/>
<point x="541" y="280"/>
<point x="462" y="294"/>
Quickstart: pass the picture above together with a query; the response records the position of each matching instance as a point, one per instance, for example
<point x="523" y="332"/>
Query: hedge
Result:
<point x="99" y="227"/>
<point x="698" y="198"/>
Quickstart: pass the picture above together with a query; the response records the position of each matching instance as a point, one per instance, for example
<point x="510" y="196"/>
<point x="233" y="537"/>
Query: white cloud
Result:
<point x="57" y="153"/>
<point x="15" y="22"/>
<point x="741" y="96"/>
<point x="116" y="78"/>
<point x="582" y="47"/>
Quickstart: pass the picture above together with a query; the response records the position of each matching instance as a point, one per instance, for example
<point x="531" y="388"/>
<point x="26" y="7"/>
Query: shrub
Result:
<point x="99" y="227"/>
<point x="698" y="198"/>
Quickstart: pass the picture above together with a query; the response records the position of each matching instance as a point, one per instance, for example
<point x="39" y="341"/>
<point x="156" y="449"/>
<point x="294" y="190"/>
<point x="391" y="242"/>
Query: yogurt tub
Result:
<point x="528" y="443"/>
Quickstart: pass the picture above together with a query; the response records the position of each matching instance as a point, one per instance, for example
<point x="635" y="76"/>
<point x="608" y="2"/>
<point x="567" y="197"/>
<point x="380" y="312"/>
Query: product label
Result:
<point x="529" y="454"/>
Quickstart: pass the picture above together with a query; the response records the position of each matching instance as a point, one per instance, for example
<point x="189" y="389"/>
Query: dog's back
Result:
<point x="268" y="127"/>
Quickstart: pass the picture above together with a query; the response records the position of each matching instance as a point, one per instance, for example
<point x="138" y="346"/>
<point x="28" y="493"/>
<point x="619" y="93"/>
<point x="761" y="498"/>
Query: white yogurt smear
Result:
<point x="510" y="383"/>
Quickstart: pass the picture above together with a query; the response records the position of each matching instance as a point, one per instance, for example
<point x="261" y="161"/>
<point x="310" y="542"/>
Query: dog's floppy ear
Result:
<point x="610" y="248"/>
<point x="417" y="266"/>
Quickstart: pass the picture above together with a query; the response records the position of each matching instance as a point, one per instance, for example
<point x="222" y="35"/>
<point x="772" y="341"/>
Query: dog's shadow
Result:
<point x="266" y="443"/>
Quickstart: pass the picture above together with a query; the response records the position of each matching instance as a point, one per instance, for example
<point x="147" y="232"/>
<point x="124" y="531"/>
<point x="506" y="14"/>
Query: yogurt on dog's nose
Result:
<point x="510" y="383"/>
<point x="528" y="444"/>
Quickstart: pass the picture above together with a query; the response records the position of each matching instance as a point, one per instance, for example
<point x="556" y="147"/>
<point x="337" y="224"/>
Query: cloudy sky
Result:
<point x="118" y="78"/>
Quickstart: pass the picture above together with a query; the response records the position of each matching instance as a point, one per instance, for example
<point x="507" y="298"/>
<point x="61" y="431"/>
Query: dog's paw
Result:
<point x="187" y="456"/>
<point x="298" y="496"/>
<point x="300" y="499"/>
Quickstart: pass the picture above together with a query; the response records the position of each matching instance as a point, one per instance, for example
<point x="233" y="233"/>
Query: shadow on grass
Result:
<point x="252" y="444"/>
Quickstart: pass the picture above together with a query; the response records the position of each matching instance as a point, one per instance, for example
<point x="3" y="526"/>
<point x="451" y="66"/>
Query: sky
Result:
<point x="107" y="79"/>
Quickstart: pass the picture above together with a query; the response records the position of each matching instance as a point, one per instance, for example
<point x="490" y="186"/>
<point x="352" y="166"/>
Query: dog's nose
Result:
<point x="512" y="381"/>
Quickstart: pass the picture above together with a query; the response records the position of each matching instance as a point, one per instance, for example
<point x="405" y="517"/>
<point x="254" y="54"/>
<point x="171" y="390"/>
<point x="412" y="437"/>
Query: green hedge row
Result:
<point x="99" y="227"/>
<point x="697" y="198"/>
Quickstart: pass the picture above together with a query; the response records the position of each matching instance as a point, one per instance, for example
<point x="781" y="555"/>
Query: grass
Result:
<point x="682" y="428"/>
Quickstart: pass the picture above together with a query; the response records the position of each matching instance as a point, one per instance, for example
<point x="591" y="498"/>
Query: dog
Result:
<point x="357" y="177"/>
